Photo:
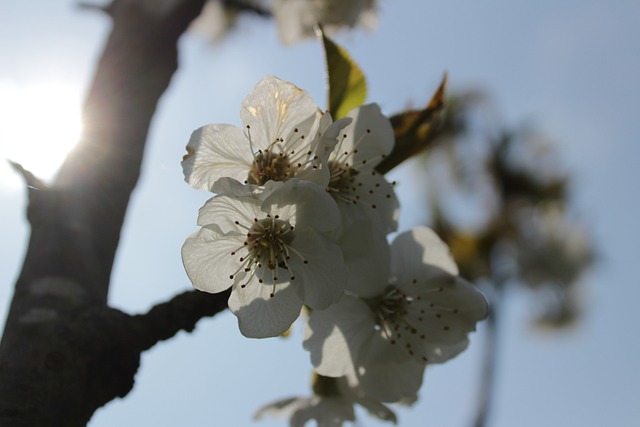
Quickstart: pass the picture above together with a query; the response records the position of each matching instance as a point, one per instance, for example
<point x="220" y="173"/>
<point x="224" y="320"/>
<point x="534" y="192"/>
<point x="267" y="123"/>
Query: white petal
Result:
<point x="328" y="134"/>
<point x="375" y="197"/>
<point x="419" y="253"/>
<point x="321" y="280"/>
<point x="455" y="293"/>
<point x="207" y="259"/>
<point x="227" y="186"/>
<point x="444" y="310"/>
<point x="337" y="336"/>
<point x="274" y="108"/>
<point x="280" y="408"/>
<point x="378" y="410"/>
<point x="366" y="254"/>
<point x="369" y="136"/>
<point x="327" y="411"/>
<point x="321" y="148"/>
<point x="443" y="352"/>
<point x="223" y="212"/>
<point x="216" y="151"/>
<point x="259" y="314"/>
<point x="314" y="208"/>
<point x="389" y="380"/>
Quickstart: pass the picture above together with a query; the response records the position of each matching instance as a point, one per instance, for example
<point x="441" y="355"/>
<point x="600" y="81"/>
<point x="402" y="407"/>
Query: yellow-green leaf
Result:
<point x="347" y="85"/>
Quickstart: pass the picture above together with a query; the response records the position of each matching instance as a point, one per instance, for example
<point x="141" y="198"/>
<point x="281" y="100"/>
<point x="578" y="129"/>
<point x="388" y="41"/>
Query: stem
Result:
<point x="490" y="357"/>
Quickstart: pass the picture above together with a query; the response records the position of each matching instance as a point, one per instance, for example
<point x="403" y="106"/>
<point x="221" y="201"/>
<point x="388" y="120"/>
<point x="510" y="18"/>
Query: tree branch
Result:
<point x="181" y="313"/>
<point x="415" y="130"/>
<point x="64" y="353"/>
<point x="243" y="6"/>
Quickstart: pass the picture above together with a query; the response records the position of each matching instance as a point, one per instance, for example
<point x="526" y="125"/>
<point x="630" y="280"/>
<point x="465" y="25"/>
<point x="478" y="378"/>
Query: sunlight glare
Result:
<point x="39" y="124"/>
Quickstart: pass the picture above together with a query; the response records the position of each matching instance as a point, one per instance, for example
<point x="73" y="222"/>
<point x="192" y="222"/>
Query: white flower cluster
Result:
<point x="300" y="218"/>
<point x="296" y="20"/>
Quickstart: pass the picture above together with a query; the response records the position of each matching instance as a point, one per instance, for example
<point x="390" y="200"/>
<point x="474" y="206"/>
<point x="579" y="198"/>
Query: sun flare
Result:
<point x="39" y="124"/>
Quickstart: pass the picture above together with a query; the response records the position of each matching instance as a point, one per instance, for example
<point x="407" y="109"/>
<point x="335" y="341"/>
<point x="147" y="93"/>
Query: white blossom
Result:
<point x="215" y="20"/>
<point x="354" y="182"/>
<point x="421" y="314"/>
<point x="331" y="405"/>
<point x="284" y="137"/>
<point x="298" y="19"/>
<point x="268" y="244"/>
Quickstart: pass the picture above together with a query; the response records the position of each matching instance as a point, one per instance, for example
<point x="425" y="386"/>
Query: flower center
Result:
<point x="268" y="165"/>
<point x="399" y="321"/>
<point x="342" y="181"/>
<point x="266" y="250"/>
<point x="267" y="241"/>
<point x="391" y="308"/>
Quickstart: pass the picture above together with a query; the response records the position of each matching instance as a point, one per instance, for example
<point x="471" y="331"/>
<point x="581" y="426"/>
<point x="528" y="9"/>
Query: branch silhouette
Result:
<point x="64" y="352"/>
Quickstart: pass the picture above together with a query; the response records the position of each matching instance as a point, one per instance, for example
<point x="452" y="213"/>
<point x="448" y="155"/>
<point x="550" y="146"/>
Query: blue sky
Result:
<point x="569" y="67"/>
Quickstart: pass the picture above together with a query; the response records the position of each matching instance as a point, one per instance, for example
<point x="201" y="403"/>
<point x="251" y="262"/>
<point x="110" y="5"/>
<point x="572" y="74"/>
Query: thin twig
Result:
<point x="489" y="358"/>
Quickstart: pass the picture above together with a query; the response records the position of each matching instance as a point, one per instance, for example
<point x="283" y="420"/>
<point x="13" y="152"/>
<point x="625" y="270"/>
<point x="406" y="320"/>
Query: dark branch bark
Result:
<point x="181" y="313"/>
<point x="64" y="353"/>
<point x="243" y="6"/>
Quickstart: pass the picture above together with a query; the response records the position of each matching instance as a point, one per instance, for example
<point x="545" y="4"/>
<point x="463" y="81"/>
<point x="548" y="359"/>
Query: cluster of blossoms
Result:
<point x="296" y="20"/>
<point x="301" y="218"/>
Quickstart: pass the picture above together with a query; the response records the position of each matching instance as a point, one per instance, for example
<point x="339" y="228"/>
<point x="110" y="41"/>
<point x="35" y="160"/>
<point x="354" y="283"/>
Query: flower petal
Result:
<point x="321" y="276"/>
<point x="369" y="137"/>
<point x="207" y="260"/>
<point x="216" y="151"/>
<point x="279" y="408"/>
<point x="328" y="134"/>
<point x="274" y="108"/>
<point x="327" y="411"/>
<point x="391" y="381"/>
<point x="312" y="206"/>
<point x="415" y="253"/>
<point x="454" y="294"/>
<point x="336" y="336"/>
<point x="366" y="254"/>
<point x="261" y="315"/>
<point x="224" y="212"/>
<point x="370" y="193"/>
<point x="378" y="410"/>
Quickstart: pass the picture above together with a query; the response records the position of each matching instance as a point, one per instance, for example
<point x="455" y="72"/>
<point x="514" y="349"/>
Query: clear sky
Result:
<point x="570" y="67"/>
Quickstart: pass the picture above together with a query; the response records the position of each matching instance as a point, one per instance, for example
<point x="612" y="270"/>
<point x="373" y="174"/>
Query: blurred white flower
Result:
<point x="283" y="137"/>
<point x="268" y="244"/>
<point x="219" y="17"/>
<point x="552" y="249"/>
<point x="552" y="255"/>
<point x="383" y="338"/>
<point x="331" y="405"/>
<point x="297" y="19"/>
<point x="215" y="21"/>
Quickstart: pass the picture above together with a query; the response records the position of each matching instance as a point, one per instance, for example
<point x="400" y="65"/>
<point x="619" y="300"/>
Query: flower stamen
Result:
<point x="398" y="322"/>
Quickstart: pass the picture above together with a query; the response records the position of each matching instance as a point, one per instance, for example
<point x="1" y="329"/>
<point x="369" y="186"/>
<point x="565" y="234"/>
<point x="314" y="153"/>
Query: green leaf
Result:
<point x="347" y="85"/>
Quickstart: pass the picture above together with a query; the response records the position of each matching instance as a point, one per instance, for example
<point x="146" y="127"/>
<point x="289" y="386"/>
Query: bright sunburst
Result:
<point x="39" y="124"/>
